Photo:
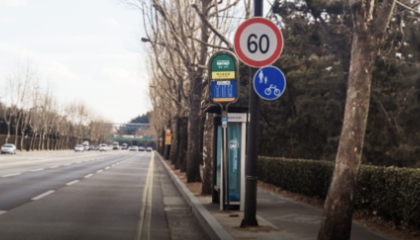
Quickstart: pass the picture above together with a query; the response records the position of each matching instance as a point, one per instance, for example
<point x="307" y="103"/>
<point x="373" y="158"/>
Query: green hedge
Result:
<point x="393" y="193"/>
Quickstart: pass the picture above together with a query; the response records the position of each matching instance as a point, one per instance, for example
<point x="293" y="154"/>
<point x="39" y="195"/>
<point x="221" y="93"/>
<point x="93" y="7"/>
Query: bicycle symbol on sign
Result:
<point x="274" y="88"/>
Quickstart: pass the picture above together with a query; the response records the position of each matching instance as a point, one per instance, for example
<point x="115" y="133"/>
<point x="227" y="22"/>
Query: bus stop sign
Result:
<point x="223" y="77"/>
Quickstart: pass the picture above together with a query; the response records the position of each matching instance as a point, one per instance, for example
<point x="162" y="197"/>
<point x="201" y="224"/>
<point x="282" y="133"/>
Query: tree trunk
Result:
<point x="367" y="37"/>
<point x="193" y="153"/>
<point x="16" y="132"/>
<point x="206" y="187"/>
<point x="181" y="161"/>
<point x="8" y="133"/>
<point x="175" y="141"/>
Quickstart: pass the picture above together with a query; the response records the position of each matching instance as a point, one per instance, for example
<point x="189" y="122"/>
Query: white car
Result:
<point x="79" y="148"/>
<point x="103" y="147"/>
<point x="141" y="148"/>
<point x="149" y="149"/>
<point x="133" y="148"/>
<point x="8" y="148"/>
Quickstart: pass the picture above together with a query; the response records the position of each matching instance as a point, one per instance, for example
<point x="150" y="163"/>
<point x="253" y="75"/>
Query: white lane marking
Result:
<point x="3" y="212"/>
<point x="37" y="170"/>
<point x="99" y="171"/>
<point x="72" y="182"/>
<point x="145" y="216"/>
<point x="11" y="175"/>
<point x="42" y="195"/>
<point x="89" y="175"/>
<point x="67" y="164"/>
<point x="55" y="166"/>
<point x="107" y="167"/>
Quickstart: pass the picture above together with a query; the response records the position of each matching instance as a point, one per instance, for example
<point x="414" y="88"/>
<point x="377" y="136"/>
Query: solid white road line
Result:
<point x="89" y="175"/>
<point x="99" y="171"/>
<point x="37" y="170"/>
<point x="3" y="212"/>
<point x="42" y="195"/>
<point x="72" y="182"/>
<point x="11" y="175"/>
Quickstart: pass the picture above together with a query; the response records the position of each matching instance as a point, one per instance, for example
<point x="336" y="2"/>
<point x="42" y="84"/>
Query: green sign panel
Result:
<point x="223" y="62"/>
<point x="223" y="77"/>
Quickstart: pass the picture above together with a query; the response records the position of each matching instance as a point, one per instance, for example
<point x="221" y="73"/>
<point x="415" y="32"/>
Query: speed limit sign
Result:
<point x="258" y="42"/>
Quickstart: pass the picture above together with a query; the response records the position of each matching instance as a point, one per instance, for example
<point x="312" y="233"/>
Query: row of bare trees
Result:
<point x="183" y="34"/>
<point x="36" y="120"/>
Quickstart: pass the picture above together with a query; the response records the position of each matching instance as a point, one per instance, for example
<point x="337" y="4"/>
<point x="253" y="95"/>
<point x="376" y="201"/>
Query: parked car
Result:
<point x="91" y="147"/>
<point x="8" y="148"/>
<point x="133" y="148"/>
<point x="103" y="147"/>
<point x="79" y="148"/>
<point x="149" y="149"/>
<point x="141" y="148"/>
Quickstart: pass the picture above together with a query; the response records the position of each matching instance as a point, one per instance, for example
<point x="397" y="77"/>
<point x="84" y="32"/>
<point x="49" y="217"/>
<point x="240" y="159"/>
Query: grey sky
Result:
<point x="88" y="50"/>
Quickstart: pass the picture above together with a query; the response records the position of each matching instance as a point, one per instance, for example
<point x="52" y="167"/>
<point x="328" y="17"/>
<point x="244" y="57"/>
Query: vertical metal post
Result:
<point x="252" y="147"/>
<point x="225" y="160"/>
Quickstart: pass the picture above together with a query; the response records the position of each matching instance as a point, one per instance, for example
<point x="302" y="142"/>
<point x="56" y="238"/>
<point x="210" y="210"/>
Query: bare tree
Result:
<point x="369" y="28"/>
<point x="17" y="92"/>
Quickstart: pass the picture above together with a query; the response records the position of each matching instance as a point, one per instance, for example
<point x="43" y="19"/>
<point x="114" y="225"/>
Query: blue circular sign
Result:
<point x="269" y="83"/>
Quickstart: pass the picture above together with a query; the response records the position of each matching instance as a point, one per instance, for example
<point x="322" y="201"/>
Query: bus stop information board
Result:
<point x="223" y="82"/>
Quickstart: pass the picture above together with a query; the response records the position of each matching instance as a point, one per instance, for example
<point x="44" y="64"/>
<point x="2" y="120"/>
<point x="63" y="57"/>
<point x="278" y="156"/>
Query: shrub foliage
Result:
<point x="393" y="193"/>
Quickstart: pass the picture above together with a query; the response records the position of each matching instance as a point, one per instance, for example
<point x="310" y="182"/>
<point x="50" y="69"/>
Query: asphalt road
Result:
<point x="91" y="195"/>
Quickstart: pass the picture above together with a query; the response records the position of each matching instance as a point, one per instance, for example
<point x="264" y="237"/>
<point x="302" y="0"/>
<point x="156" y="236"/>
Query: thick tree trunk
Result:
<point x="175" y="141"/>
<point x="181" y="162"/>
<point x="206" y="187"/>
<point x="367" y="37"/>
<point x="193" y="154"/>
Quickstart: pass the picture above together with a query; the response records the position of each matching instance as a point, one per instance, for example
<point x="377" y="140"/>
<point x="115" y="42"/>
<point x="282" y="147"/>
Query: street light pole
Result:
<point x="250" y="210"/>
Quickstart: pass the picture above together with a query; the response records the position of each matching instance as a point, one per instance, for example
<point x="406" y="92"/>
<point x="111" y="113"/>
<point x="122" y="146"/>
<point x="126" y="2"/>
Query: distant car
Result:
<point x="8" y="148"/>
<point x="91" y="147"/>
<point x="141" y="148"/>
<point x="133" y="148"/>
<point x="149" y="149"/>
<point x="79" y="148"/>
<point x="103" y="147"/>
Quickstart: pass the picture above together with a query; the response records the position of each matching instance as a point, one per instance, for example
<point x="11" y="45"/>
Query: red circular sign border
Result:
<point x="249" y="61"/>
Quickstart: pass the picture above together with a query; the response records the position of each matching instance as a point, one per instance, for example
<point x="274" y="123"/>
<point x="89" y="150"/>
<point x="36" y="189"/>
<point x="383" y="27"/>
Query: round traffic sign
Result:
<point x="269" y="83"/>
<point x="258" y="42"/>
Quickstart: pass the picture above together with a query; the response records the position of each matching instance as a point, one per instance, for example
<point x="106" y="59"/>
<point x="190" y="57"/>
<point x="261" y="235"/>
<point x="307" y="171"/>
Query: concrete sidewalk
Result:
<point x="278" y="218"/>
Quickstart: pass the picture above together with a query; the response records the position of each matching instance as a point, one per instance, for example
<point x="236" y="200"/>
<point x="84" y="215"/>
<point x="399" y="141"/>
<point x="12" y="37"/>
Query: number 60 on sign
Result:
<point x="258" y="42"/>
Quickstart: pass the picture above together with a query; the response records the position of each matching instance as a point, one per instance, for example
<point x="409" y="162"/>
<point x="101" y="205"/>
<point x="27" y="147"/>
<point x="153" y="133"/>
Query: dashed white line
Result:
<point x="99" y="171"/>
<point x="37" y="170"/>
<point x="89" y="175"/>
<point x="11" y="175"/>
<point x="42" y="195"/>
<point x="3" y="212"/>
<point x="72" y="182"/>
<point x="55" y="166"/>
<point x="107" y="167"/>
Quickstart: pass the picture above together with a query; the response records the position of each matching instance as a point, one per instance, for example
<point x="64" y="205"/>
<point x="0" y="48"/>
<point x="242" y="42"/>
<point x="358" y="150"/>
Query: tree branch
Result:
<point x="215" y="31"/>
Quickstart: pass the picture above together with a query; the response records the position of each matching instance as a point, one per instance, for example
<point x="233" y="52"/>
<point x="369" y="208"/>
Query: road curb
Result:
<point x="207" y="221"/>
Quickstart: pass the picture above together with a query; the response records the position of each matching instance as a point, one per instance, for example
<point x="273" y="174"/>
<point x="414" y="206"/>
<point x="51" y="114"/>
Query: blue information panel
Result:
<point x="269" y="83"/>
<point x="223" y="91"/>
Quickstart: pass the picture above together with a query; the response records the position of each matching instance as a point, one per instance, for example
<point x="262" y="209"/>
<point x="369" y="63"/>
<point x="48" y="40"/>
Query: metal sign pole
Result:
<point x="225" y="158"/>
<point x="252" y="155"/>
